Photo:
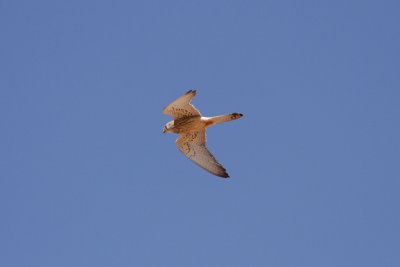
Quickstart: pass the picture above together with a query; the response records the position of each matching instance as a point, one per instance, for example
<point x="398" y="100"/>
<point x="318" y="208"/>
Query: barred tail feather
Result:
<point x="223" y="118"/>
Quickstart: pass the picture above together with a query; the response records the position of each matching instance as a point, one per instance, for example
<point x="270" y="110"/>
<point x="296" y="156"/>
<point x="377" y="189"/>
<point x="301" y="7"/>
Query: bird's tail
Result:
<point x="223" y="118"/>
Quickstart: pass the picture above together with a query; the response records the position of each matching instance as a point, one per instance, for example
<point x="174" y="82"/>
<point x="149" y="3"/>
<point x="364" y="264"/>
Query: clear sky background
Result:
<point x="89" y="179"/>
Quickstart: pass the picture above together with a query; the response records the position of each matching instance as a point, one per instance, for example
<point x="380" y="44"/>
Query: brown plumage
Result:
<point x="191" y="126"/>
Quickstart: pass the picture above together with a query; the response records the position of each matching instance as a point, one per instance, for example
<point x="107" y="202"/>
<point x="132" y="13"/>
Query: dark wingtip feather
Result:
<point x="191" y="92"/>
<point x="224" y="175"/>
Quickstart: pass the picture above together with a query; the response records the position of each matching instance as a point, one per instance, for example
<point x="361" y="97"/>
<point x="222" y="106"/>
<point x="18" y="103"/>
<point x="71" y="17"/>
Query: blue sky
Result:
<point x="88" y="178"/>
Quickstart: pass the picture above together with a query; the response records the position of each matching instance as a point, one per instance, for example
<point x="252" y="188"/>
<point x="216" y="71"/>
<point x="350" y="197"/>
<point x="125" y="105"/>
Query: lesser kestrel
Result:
<point x="191" y="126"/>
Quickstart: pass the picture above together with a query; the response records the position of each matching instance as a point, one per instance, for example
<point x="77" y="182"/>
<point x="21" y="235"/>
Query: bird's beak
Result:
<point x="163" y="130"/>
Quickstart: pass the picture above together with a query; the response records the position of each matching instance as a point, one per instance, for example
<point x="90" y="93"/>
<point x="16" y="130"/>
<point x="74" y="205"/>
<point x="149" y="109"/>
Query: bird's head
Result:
<point x="168" y="127"/>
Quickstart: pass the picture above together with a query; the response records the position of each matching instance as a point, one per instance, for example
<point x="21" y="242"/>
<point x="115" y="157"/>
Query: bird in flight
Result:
<point x="191" y="127"/>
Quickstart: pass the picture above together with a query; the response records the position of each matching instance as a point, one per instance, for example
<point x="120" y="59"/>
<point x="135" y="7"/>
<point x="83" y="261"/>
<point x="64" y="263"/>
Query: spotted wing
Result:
<point x="193" y="145"/>
<point x="181" y="107"/>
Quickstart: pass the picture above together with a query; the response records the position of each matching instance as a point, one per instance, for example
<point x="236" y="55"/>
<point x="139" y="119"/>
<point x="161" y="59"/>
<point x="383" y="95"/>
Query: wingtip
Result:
<point x="191" y="92"/>
<point x="224" y="175"/>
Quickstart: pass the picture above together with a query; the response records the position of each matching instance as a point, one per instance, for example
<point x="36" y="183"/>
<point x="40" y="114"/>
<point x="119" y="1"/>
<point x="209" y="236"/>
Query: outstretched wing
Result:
<point x="181" y="107"/>
<point x="193" y="145"/>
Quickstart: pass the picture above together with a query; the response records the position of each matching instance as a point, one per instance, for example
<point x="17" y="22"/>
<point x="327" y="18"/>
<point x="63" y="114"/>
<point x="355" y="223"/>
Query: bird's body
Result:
<point x="184" y="124"/>
<point x="191" y="125"/>
<point x="196" y="123"/>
